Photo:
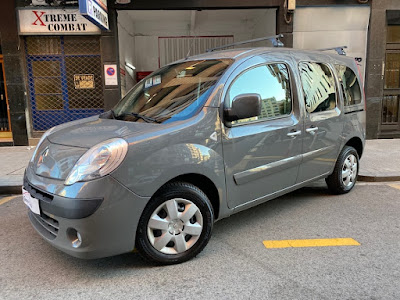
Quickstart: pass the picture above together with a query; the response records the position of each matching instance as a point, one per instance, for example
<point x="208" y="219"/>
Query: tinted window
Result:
<point x="350" y="86"/>
<point x="272" y="83"/>
<point x="318" y="86"/>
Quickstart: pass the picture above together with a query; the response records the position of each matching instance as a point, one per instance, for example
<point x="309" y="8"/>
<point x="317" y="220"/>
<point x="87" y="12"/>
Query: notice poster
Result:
<point x="84" y="81"/>
<point x="110" y="75"/>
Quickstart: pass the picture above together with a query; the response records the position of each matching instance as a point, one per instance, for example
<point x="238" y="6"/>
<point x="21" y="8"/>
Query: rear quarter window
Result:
<point x="318" y="86"/>
<point x="350" y="85"/>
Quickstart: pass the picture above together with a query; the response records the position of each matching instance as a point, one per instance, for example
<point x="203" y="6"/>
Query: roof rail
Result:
<point x="338" y="49"/>
<point x="274" y="40"/>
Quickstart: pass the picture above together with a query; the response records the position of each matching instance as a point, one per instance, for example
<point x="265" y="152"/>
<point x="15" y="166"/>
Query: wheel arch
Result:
<point x="357" y="144"/>
<point x="203" y="183"/>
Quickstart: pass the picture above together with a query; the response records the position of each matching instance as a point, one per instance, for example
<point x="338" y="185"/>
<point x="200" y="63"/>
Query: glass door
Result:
<point x="5" y="127"/>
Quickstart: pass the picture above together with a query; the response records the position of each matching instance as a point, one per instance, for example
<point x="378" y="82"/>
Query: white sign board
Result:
<point x="41" y="21"/>
<point x="110" y="75"/>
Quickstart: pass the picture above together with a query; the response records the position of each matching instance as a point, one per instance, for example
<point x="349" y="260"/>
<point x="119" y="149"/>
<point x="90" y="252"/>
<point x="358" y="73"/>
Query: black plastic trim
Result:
<point x="69" y="208"/>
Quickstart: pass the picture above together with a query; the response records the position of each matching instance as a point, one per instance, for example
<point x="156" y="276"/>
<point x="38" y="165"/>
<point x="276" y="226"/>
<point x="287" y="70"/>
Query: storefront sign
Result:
<point x="110" y="75"/>
<point x="84" y="81"/>
<point x="95" y="11"/>
<point x="54" y="22"/>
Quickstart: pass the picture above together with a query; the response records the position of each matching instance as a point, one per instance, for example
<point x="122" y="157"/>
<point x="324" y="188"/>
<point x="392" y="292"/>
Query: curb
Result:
<point x="367" y="178"/>
<point x="10" y="189"/>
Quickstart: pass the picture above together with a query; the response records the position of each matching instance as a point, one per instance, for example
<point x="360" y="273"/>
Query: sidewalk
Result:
<point x="380" y="162"/>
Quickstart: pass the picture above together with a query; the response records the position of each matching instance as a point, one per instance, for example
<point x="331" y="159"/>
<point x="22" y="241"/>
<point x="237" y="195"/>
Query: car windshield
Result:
<point x="173" y="93"/>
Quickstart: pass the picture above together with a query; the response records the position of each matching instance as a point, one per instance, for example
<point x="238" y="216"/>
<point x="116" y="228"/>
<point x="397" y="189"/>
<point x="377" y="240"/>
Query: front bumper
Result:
<point x="103" y="211"/>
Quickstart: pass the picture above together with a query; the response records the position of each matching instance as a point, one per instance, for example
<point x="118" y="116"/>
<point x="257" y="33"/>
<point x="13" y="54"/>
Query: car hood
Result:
<point x="88" y="132"/>
<point x="58" y="153"/>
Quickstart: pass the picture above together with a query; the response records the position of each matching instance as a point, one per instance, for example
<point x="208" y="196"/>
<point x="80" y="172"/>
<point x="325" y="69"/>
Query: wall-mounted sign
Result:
<point x="110" y="75"/>
<point x="95" y="11"/>
<point x="84" y="81"/>
<point x="48" y="21"/>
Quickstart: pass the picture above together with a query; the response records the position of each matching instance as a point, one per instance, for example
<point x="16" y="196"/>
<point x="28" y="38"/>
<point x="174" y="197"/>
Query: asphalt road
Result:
<point x="235" y="264"/>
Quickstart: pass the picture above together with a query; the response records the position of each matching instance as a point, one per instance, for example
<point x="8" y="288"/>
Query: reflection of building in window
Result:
<point x="350" y="86"/>
<point x="269" y="108"/>
<point x="318" y="86"/>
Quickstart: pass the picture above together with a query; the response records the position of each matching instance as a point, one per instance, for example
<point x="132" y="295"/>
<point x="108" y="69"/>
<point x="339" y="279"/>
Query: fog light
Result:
<point x="75" y="237"/>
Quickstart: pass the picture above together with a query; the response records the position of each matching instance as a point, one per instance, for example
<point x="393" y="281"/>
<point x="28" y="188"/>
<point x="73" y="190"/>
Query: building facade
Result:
<point x="57" y="66"/>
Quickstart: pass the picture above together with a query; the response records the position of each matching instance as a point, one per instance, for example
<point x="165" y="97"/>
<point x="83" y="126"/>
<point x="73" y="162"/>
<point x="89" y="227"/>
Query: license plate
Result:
<point x="31" y="202"/>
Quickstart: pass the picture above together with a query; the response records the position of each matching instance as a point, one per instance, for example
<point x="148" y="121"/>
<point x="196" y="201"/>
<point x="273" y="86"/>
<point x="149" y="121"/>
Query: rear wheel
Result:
<point x="176" y="224"/>
<point x="345" y="174"/>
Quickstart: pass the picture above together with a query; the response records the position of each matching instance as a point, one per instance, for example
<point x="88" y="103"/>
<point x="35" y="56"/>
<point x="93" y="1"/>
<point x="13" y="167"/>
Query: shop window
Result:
<point x="318" y="86"/>
<point x="272" y="83"/>
<point x="393" y="34"/>
<point x="350" y="85"/>
<point x="45" y="45"/>
<point x="392" y="71"/>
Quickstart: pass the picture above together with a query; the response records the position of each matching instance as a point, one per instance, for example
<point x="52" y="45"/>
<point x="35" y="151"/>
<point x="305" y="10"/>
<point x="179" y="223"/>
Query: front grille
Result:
<point x="45" y="224"/>
<point x="36" y="193"/>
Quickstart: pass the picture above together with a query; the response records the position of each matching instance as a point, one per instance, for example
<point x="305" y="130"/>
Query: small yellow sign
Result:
<point x="84" y="81"/>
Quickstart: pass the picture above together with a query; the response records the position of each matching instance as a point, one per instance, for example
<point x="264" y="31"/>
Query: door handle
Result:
<point x="312" y="130"/>
<point x="294" y="133"/>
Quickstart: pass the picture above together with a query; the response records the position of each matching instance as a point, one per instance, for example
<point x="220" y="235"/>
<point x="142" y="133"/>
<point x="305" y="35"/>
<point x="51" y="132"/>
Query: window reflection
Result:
<point x="271" y="82"/>
<point x="173" y="93"/>
<point x="318" y="86"/>
<point x="350" y="86"/>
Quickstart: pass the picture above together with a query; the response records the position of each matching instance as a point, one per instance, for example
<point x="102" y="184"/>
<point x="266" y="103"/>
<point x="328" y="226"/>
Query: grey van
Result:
<point x="196" y="141"/>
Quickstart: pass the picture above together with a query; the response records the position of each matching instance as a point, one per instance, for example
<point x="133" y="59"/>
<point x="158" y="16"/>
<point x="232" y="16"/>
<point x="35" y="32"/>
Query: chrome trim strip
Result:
<point x="312" y="154"/>
<point x="268" y="169"/>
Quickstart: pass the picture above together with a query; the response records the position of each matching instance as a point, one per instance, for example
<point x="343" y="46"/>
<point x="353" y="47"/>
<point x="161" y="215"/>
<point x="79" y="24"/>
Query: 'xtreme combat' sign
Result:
<point x="54" y="21"/>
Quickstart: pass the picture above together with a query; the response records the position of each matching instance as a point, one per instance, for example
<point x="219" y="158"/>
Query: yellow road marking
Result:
<point x="396" y="186"/>
<point x="311" y="243"/>
<point x="6" y="199"/>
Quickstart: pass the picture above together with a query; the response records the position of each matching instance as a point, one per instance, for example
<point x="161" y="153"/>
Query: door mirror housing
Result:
<point x="243" y="106"/>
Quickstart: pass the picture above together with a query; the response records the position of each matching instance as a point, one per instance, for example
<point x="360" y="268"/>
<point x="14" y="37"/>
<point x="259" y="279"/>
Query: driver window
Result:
<point x="271" y="81"/>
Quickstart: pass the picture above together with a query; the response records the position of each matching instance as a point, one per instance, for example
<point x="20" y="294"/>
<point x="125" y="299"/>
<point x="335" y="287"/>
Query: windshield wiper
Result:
<point x="139" y="116"/>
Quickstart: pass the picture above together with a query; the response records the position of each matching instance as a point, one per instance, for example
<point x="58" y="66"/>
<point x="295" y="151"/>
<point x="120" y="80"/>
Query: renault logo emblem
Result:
<point x="42" y="156"/>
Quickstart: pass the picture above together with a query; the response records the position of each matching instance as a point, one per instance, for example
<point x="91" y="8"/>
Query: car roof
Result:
<point x="297" y="54"/>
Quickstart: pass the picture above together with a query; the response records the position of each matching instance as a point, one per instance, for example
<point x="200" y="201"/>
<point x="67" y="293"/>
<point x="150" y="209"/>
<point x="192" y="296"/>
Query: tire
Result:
<point x="345" y="173"/>
<point x="175" y="225"/>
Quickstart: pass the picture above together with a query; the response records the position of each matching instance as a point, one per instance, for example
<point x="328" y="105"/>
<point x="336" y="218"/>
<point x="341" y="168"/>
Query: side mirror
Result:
<point x="243" y="106"/>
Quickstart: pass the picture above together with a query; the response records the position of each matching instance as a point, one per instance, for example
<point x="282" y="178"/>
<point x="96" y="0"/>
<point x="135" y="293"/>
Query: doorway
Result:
<point x="5" y="126"/>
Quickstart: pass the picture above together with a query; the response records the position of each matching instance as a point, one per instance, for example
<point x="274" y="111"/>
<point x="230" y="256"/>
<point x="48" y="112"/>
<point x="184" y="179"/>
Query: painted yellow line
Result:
<point x="310" y="243"/>
<point x="396" y="186"/>
<point x="6" y="199"/>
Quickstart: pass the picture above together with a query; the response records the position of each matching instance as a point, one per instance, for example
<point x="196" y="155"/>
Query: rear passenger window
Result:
<point x="318" y="86"/>
<point x="271" y="81"/>
<point x="350" y="86"/>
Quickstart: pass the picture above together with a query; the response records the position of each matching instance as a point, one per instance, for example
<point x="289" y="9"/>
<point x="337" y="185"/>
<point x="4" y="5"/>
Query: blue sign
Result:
<point x="95" y="11"/>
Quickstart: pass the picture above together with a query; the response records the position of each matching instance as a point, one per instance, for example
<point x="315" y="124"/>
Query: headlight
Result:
<point x="44" y="136"/>
<point x="98" y="161"/>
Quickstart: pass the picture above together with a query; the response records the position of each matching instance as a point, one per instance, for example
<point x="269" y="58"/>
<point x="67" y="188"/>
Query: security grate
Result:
<point x="64" y="78"/>
<point x="175" y="48"/>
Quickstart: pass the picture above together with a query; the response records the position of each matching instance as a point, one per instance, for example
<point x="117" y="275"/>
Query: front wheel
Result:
<point x="345" y="174"/>
<point x="176" y="224"/>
